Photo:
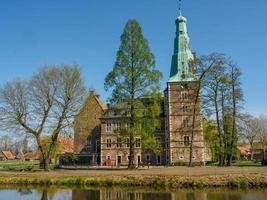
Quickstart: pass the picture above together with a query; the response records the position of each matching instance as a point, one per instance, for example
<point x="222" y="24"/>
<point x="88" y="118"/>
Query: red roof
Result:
<point x="31" y="155"/>
<point x="103" y="105"/>
<point x="66" y="144"/>
<point x="244" y="149"/>
<point x="9" y="155"/>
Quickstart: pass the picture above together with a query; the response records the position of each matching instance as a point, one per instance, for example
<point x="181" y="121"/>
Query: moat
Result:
<point x="128" y="194"/>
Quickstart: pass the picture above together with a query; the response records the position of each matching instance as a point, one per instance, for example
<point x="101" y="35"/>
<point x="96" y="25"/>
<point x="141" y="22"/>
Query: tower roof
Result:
<point x="182" y="67"/>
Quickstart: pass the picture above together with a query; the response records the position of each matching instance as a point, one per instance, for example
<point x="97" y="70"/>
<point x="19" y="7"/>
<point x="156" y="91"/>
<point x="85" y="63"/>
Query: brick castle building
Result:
<point x="96" y="124"/>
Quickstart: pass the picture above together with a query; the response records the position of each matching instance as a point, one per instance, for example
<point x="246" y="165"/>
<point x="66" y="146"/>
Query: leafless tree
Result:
<point x="262" y="134"/>
<point x="44" y="105"/>
<point x="203" y="66"/>
<point x="249" y="128"/>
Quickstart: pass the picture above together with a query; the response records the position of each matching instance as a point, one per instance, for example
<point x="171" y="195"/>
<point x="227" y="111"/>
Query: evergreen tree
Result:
<point x="134" y="80"/>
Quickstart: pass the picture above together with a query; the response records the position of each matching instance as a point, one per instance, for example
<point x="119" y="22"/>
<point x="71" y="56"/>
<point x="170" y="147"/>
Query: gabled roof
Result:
<point x="8" y="154"/>
<point x="100" y="103"/>
<point x="103" y="105"/>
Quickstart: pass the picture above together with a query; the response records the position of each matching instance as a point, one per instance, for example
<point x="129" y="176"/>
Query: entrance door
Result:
<point x="119" y="160"/>
<point x="139" y="160"/>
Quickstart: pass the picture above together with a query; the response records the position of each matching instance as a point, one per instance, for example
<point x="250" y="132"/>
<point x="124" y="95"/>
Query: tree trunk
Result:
<point x="131" y="164"/>
<point x="264" y="156"/>
<point x="46" y="164"/>
<point x="233" y="138"/>
<point x="190" y="164"/>
<point x="219" y="130"/>
<point x="252" y="151"/>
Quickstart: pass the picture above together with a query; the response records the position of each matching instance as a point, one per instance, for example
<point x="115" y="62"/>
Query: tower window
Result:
<point x="184" y="108"/>
<point x="108" y="143"/>
<point x="186" y="140"/>
<point x="185" y="123"/>
<point x="184" y="95"/>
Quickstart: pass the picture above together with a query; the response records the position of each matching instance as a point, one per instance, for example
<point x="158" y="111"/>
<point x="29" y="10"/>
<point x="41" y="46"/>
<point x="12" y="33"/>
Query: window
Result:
<point x="118" y="125"/>
<point x="186" y="140"/>
<point x="184" y="108"/>
<point x="138" y="142"/>
<point x="185" y="123"/>
<point x="88" y="145"/>
<point x="119" y="142"/>
<point x="184" y="95"/>
<point x="128" y="142"/>
<point x="109" y="126"/>
<point x="108" y="143"/>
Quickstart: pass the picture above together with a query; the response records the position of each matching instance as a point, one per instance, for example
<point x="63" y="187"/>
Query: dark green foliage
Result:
<point x="134" y="81"/>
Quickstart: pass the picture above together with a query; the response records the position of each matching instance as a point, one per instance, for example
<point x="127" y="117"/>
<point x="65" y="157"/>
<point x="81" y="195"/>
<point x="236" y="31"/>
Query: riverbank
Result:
<point x="179" y="177"/>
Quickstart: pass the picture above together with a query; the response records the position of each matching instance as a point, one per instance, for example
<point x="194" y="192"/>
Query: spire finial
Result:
<point x="180" y="7"/>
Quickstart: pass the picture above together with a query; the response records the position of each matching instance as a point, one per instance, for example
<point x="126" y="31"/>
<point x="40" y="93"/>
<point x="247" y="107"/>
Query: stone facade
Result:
<point x="179" y="106"/>
<point x="115" y="148"/>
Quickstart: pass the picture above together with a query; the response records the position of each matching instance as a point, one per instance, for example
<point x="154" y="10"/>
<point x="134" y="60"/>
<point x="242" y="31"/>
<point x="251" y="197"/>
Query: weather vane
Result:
<point x="180" y="7"/>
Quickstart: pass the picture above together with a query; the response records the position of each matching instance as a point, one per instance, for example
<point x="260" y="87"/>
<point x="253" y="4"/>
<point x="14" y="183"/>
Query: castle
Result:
<point x="95" y="124"/>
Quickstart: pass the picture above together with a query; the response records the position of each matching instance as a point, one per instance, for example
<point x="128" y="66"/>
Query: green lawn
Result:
<point x="247" y="163"/>
<point x="240" y="163"/>
<point x="20" y="165"/>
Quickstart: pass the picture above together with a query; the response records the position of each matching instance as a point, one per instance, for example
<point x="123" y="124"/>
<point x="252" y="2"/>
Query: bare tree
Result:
<point x="249" y="128"/>
<point x="44" y="105"/>
<point x="213" y="85"/>
<point x="262" y="134"/>
<point x="236" y="98"/>
<point x="204" y="65"/>
<point x="222" y="95"/>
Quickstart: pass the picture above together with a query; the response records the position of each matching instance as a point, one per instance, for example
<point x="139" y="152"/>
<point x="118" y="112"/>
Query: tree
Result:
<point x="212" y="139"/>
<point x="222" y="96"/>
<point x="249" y="128"/>
<point x="204" y="65"/>
<point x="236" y="98"/>
<point x="133" y="79"/>
<point x="262" y="135"/>
<point x="212" y="86"/>
<point x="44" y="105"/>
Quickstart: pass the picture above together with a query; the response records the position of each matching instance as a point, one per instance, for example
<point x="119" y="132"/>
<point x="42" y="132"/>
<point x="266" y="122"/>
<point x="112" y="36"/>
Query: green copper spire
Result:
<point x="182" y="68"/>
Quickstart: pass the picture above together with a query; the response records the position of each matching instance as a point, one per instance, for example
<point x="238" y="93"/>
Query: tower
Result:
<point x="179" y="103"/>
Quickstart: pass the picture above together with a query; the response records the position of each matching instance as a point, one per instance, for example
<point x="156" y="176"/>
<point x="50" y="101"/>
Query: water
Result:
<point x="129" y="194"/>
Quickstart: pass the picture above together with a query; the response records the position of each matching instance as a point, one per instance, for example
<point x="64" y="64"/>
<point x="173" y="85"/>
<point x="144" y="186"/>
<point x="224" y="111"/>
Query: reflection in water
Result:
<point x="131" y="194"/>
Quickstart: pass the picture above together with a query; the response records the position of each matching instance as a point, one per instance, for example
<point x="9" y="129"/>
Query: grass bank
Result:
<point x="226" y="181"/>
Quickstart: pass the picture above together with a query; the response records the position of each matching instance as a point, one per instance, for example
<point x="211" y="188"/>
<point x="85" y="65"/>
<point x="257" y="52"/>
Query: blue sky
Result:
<point x="87" y="32"/>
